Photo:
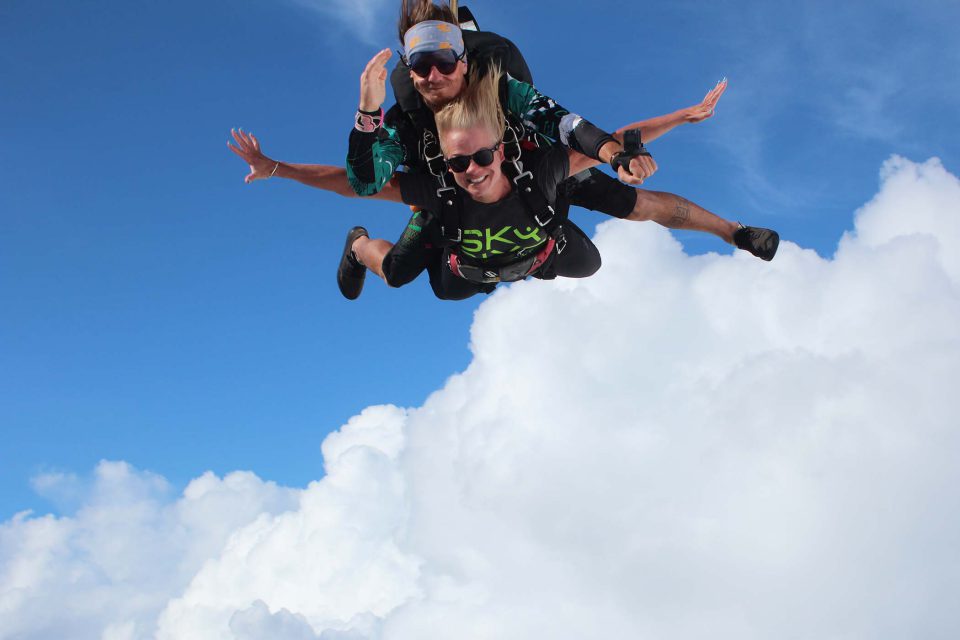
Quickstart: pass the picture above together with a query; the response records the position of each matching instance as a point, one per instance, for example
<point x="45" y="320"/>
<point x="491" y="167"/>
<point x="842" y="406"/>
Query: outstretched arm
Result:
<point x="653" y="128"/>
<point x="544" y="116"/>
<point x="320" y="176"/>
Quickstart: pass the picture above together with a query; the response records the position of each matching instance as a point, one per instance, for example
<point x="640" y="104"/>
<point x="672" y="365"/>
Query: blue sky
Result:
<point x="156" y="310"/>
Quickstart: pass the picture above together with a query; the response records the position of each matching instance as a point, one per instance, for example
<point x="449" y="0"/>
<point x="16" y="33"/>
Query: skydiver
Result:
<point x="438" y="56"/>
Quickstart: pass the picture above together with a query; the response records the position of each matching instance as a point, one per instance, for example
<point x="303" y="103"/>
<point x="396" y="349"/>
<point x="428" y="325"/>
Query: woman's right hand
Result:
<point x="373" y="82"/>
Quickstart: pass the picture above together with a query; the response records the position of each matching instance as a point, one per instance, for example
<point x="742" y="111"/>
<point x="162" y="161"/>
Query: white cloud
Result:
<point x="108" y="570"/>
<point x="677" y="447"/>
<point x="363" y="17"/>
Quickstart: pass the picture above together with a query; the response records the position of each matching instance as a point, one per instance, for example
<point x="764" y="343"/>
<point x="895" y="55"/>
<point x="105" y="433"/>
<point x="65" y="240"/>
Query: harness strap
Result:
<point x="506" y="273"/>
<point x="547" y="217"/>
<point x="450" y="200"/>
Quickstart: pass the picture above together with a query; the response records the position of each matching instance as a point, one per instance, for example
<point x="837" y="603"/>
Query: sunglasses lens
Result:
<point x="458" y="164"/>
<point x="483" y="158"/>
<point x="445" y="61"/>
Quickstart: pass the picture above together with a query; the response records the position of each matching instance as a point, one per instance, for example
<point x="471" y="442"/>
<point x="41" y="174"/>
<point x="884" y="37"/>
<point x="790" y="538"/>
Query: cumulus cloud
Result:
<point x="677" y="447"/>
<point x="108" y="570"/>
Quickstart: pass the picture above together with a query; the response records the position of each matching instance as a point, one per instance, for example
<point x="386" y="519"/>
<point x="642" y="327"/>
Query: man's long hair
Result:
<point x="478" y="105"/>
<point x="416" y="11"/>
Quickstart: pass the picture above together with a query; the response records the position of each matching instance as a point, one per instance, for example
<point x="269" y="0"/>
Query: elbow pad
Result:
<point x="583" y="136"/>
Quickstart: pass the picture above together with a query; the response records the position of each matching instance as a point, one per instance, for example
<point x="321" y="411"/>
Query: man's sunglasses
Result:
<point x="445" y="60"/>
<point x="483" y="158"/>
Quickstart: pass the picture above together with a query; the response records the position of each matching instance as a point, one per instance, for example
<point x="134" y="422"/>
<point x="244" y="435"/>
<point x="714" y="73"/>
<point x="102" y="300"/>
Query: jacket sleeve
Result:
<point x="541" y="114"/>
<point x="372" y="158"/>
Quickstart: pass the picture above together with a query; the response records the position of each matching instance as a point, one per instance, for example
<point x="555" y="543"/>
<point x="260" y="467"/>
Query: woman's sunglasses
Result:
<point x="483" y="158"/>
<point x="445" y="60"/>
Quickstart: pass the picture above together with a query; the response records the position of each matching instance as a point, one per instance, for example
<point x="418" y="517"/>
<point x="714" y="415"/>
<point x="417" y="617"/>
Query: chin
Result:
<point x="478" y="191"/>
<point x="438" y="100"/>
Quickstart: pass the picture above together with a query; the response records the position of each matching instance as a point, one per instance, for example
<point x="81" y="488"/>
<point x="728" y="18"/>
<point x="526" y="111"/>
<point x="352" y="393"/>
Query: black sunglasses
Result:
<point x="483" y="158"/>
<point x="445" y="60"/>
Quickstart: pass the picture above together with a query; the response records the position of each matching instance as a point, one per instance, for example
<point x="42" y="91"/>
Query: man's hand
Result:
<point x="248" y="148"/>
<point x="641" y="168"/>
<point x="702" y="111"/>
<point x="373" y="82"/>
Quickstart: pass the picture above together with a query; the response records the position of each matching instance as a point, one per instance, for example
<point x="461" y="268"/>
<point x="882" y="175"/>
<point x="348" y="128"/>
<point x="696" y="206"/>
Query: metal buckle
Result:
<point x="525" y="174"/>
<point x="477" y="275"/>
<point x="437" y="169"/>
<point x="458" y="239"/>
<point x="549" y="220"/>
<point x="561" y="243"/>
<point x="511" y="147"/>
<point x="452" y="190"/>
<point x="428" y="158"/>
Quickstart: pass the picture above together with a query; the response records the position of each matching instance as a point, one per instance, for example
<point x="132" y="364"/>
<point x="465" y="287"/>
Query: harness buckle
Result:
<point x="511" y="146"/>
<point x="522" y="176"/>
<point x="561" y="243"/>
<point x="452" y="191"/>
<point x="429" y="158"/>
<point x="458" y="238"/>
<point x="433" y="156"/>
<point x="544" y="223"/>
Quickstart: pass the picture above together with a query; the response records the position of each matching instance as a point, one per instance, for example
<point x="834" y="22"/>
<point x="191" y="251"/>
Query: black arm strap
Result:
<point x="632" y="148"/>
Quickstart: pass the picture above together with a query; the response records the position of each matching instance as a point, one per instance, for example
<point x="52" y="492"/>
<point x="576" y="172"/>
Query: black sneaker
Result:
<point x="350" y="273"/>
<point x="760" y="242"/>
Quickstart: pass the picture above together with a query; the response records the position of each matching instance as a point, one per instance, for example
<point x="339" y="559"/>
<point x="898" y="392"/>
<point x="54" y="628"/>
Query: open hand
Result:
<point x="702" y="111"/>
<point x="248" y="148"/>
<point x="373" y="82"/>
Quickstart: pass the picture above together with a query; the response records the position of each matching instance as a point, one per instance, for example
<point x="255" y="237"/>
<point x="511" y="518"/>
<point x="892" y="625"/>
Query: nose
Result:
<point x="435" y="75"/>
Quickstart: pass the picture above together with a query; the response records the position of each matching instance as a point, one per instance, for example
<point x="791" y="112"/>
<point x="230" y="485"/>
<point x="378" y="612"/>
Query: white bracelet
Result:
<point x="275" y="167"/>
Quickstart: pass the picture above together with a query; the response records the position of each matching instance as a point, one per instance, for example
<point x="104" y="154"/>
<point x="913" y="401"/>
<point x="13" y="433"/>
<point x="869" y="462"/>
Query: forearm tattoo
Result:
<point x="681" y="214"/>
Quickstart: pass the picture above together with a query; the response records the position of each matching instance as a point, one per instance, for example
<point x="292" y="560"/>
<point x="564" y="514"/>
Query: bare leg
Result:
<point x="371" y="252"/>
<point x="675" y="212"/>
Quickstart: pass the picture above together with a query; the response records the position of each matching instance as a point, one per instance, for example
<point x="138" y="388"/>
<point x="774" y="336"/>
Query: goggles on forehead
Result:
<point x="445" y="60"/>
<point x="483" y="158"/>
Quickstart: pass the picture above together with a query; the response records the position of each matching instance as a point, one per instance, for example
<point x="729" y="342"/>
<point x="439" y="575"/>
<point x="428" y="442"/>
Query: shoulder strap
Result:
<point x="548" y="217"/>
<point x="451" y="201"/>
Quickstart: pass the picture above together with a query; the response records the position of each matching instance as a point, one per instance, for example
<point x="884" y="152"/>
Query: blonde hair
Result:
<point x="478" y="105"/>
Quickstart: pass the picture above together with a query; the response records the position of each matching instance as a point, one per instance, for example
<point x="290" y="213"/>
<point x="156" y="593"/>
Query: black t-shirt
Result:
<point x="500" y="232"/>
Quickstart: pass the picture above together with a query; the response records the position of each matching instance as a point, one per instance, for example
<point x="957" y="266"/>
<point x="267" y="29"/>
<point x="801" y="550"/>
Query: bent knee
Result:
<point x="397" y="274"/>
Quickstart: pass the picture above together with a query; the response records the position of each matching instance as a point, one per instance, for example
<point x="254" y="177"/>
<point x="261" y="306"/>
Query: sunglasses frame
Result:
<point x="472" y="158"/>
<point x="456" y="60"/>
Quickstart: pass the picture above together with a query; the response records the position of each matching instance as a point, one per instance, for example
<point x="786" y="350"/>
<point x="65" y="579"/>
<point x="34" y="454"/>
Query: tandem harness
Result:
<point x="546" y="216"/>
